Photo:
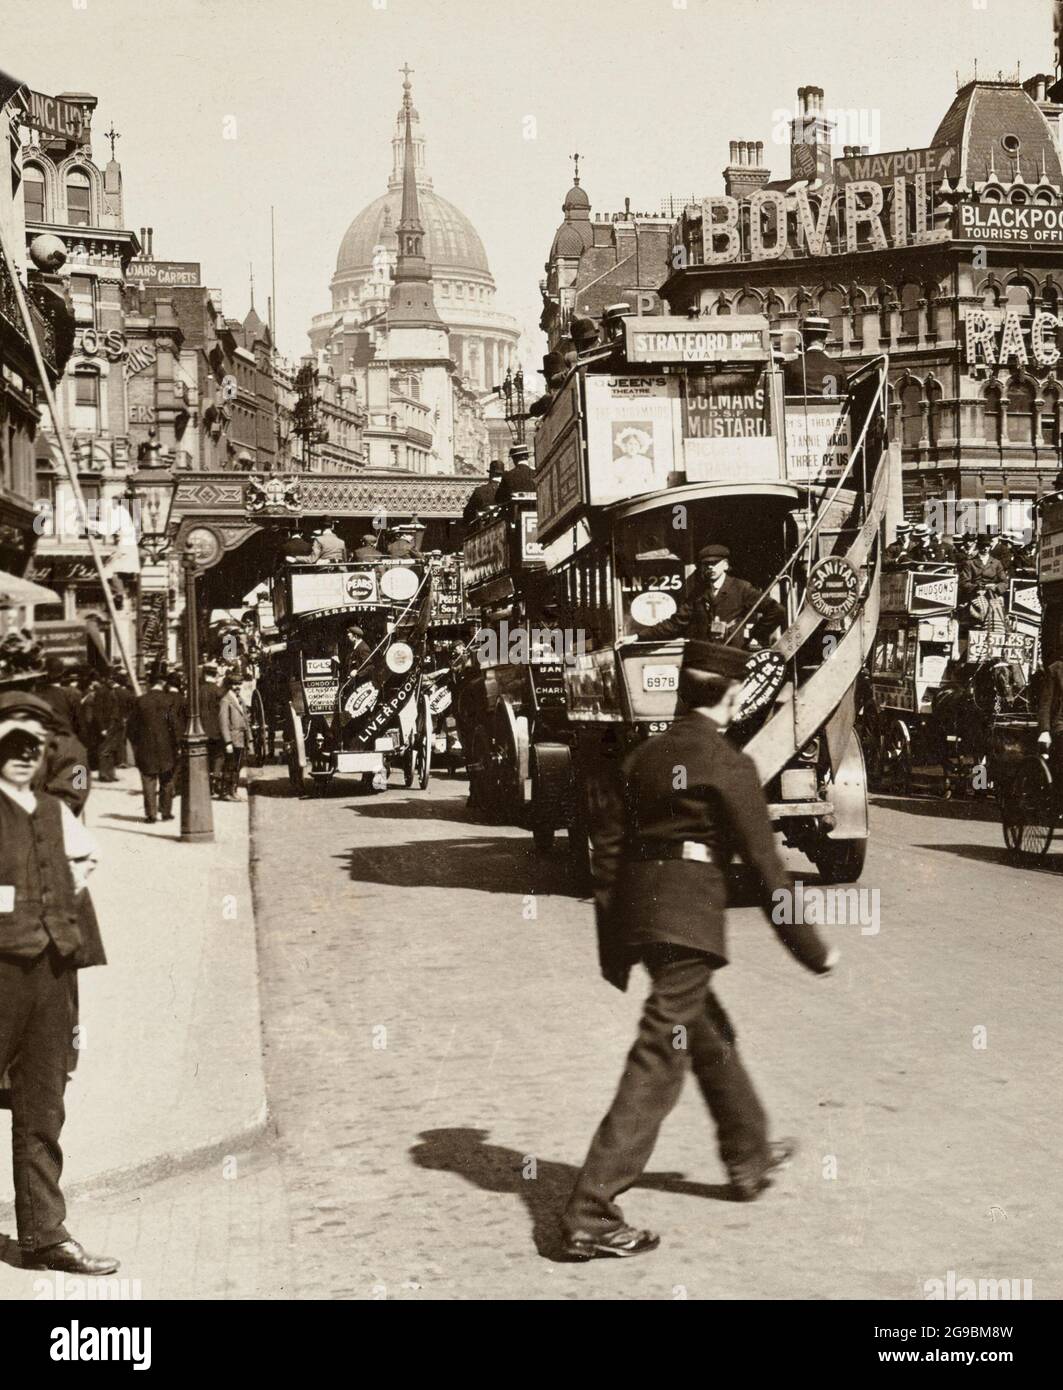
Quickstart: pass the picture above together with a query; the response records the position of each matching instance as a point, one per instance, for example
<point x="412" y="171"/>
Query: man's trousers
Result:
<point x="158" y="789"/>
<point x="38" y="1013"/>
<point x="682" y="1023"/>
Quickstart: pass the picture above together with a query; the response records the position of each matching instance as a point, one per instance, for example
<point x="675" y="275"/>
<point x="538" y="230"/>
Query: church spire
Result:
<point x="412" y="300"/>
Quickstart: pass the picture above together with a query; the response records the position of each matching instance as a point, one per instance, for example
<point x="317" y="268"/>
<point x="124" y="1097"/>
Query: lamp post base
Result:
<point x="197" y="813"/>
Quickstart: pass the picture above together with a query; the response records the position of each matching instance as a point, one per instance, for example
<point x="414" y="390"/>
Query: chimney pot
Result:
<point x="734" y="151"/>
<point x="760" y="154"/>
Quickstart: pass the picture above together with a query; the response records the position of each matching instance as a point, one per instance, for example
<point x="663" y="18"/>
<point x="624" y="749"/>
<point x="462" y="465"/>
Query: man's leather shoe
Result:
<point x="749" y="1182"/>
<point x="620" y="1242"/>
<point x="70" y="1257"/>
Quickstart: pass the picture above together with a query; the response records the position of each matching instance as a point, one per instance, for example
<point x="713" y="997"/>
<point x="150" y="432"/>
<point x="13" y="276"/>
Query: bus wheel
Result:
<point x="840" y="861"/>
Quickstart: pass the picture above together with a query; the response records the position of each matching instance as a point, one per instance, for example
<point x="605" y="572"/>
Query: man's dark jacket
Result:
<point x="154" y="734"/>
<point x="688" y="783"/>
<point x="694" y="616"/>
<point x="209" y="705"/>
<point x="1050" y="703"/>
<point x="982" y="571"/>
<point x="520" y="478"/>
<point x="480" y="499"/>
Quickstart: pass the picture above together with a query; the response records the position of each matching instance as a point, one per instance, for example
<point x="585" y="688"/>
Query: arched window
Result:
<point x="911" y="294"/>
<point x="1020" y="413"/>
<point x="991" y="297"/>
<point x="832" y="308"/>
<point x="1050" y="297"/>
<point x="1050" y="417"/>
<point x="933" y="413"/>
<point x="78" y="199"/>
<point x="992" y="413"/>
<point x="773" y="307"/>
<point x="911" y="415"/>
<point x="1019" y="297"/>
<point x="749" y="304"/>
<point x="33" y="193"/>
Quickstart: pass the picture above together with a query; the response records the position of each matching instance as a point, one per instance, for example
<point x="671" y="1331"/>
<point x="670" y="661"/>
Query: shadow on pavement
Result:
<point x="994" y="854"/>
<point x="937" y="806"/>
<point x="493" y="1168"/>
<point x="415" y="807"/>
<point x="480" y="863"/>
<point x="9" y="1252"/>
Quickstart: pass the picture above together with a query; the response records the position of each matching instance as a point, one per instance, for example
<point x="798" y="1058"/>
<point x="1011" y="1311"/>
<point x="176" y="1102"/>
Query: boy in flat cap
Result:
<point x="718" y="602"/>
<point x="660" y="896"/>
<point x="45" y="858"/>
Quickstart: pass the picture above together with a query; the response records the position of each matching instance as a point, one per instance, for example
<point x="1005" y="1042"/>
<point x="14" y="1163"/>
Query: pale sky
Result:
<point x="649" y="91"/>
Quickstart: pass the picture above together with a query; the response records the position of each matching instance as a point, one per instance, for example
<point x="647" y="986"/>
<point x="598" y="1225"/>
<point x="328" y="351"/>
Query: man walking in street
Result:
<point x="45" y="858"/>
<point x="209" y="705"/>
<point x="234" y="729"/>
<point x="690" y="799"/>
<point x="154" y="736"/>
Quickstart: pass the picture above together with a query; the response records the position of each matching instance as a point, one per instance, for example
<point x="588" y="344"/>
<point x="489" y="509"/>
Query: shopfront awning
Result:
<point x="18" y="593"/>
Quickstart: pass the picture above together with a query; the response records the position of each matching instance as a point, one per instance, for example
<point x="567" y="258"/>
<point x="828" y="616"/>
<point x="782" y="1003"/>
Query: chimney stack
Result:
<point x="745" y="173"/>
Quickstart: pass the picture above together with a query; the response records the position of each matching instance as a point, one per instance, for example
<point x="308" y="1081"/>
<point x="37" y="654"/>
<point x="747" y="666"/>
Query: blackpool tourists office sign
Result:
<point x="1027" y="224"/>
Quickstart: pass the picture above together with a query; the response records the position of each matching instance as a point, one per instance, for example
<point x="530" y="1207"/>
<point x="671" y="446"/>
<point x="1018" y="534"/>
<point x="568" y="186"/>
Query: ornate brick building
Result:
<point x="950" y="259"/>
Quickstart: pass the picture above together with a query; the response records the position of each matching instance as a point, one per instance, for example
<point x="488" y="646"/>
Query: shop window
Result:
<point x="78" y="199"/>
<point x="33" y="193"/>
<point x="1020" y="413"/>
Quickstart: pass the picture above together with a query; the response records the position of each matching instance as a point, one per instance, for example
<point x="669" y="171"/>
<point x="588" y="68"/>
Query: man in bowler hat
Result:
<point x="660" y="851"/>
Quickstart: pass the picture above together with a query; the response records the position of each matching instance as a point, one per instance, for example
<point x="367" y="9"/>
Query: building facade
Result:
<point x="68" y="196"/>
<point x="949" y="259"/>
<point x="598" y="261"/>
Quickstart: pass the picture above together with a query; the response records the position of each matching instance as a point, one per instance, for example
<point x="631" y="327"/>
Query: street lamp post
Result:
<point x="197" y="813"/>
<point x="151" y="490"/>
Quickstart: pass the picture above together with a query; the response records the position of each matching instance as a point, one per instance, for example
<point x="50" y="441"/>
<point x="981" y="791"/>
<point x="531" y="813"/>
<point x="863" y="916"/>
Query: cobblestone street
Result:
<point x="439" y="1050"/>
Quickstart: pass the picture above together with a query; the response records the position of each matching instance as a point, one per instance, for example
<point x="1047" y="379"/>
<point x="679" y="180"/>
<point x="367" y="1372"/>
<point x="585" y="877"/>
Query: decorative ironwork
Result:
<point x="339" y="495"/>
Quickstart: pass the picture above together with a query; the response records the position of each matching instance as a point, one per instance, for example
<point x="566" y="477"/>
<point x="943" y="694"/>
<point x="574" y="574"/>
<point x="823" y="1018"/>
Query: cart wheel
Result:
<point x="295" y="772"/>
<point x="423" y="748"/>
<point x="483" y="774"/>
<point x="510" y="731"/>
<point x="841" y="861"/>
<point x="259" y="743"/>
<point x="896" y="764"/>
<point x="1028" y="811"/>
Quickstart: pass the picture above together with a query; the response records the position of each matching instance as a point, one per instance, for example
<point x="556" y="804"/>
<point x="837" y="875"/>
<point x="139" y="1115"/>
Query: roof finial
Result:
<point x="112" y="135"/>
<point x="251" y="269"/>
<point x="406" y="85"/>
<point x="575" y="174"/>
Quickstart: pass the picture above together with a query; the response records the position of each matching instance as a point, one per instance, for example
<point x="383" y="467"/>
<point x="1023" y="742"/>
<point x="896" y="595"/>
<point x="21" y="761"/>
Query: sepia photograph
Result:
<point x="531" y="668"/>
